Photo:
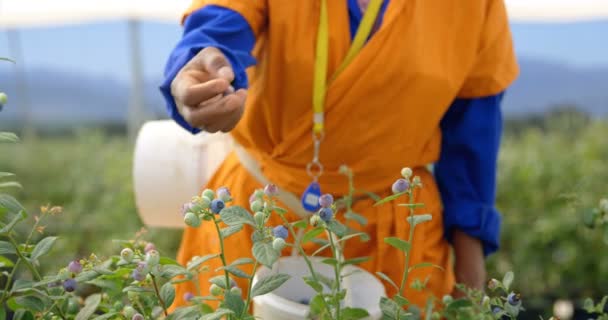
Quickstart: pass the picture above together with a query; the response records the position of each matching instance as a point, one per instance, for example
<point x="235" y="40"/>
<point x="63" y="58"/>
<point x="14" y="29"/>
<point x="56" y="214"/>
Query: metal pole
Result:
<point x="136" y="112"/>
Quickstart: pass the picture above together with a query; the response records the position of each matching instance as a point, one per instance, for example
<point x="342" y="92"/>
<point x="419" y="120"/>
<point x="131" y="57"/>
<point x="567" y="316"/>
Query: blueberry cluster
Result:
<point x="204" y="207"/>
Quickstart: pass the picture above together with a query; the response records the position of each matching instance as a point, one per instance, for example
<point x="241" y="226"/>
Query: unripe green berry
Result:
<point x="406" y="173"/>
<point x="152" y="258"/>
<point x="209" y="194"/>
<point x="3" y="98"/>
<point x="127" y="254"/>
<point x="315" y="220"/>
<point x="192" y="220"/>
<point x="215" y="290"/>
<point x="447" y="299"/>
<point x="260" y="218"/>
<point x="258" y="194"/>
<point x="205" y="202"/>
<point x="278" y="244"/>
<point x="256" y="206"/>
<point x="236" y="291"/>
<point x="604" y="205"/>
<point x="129" y="312"/>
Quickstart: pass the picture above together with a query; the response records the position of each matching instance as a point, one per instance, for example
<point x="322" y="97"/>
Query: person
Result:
<point x="424" y="87"/>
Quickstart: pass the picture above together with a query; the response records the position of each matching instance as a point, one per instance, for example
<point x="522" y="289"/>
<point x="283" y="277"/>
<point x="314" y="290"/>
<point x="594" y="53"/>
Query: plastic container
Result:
<point x="286" y="303"/>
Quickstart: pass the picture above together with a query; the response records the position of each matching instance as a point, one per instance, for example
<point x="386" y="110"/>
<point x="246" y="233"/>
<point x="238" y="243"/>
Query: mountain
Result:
<point x="64" y="98"/>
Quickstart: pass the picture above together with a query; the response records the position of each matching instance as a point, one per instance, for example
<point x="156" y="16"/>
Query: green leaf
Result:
<point x="171" y="271"/>
<point x="280" y="210"/>
<point x="357" y="217"/>
<point x="6" y="174"/>
<point x="137" y="289"/>
<point x="6" y="248"/>
<point x="589" y="306"/>
<point x="217" y="315"/>
<point x="389" y="198"/>
<point x="301" y="224"/>
<point x="8" y="137"/>
<point x="109" y="315"/>
<point x="401" y="300"/>
<point x="167" y="293"/>
<point x="425" y="265"/>
<point x="317" y="304"/>
<point x="389" y="308"/>
<point x="235" y="271"/>
<point x="602" y="304"/>
<point x="330" y="261"/>
<point x="354" y="313"/>
<point x="11" y="184"/>
<point x="200" y="260"/>
<point x="87" y="276"/>
<point x="315" y="285"/>
<point x="311" y="234"/>
<point x="372" y="195"/>
<point x="328" y="282"/>
<point x="411" y="205"/>
<point x="219" y="281"/>
<point x="90" y="305"/>
<point x="387" y="279"/>
<point x="6" y="59"/>
<point x="228" y="231"/>
<point x="5" y="262"/>
<point x="32" y="303"/>
<point x="265" y="254"/>
<point x="168" y="261"/>
<point x="2" y="312"/>
<point x="356" y="260"/>
<point x="338" y="228"/>
<point x="20" y="216"/>
<point x="43" y="247"/>
<point x="11" y="204"/>
<point x="320" y="249"/>
<point x="241" y="261"/>
<point x="398" y="243"/>
<point x="269" y="284"/>
<point x="460" y="303"/>
<point x="235" y="215"/>
<point x="109" y="285"/>
<point x="233" y="302"/>
<point x="419" y="218"/>
<point x="189" y="312"/>
<point x="507" y="280"/>
<point x="23" y="314"/>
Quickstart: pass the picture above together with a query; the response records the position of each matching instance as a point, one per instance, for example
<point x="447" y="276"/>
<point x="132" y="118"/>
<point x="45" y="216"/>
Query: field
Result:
<point x="551" y="169"/>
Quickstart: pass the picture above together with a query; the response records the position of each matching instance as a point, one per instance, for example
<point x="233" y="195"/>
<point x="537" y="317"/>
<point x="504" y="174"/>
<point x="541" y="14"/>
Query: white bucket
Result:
<point x="170" y="166"/>
<point x="363" y="290"/>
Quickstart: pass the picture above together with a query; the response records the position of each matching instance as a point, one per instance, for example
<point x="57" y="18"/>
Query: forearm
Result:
<point x="469" y="264"/>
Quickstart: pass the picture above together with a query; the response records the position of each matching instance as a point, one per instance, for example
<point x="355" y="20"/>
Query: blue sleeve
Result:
<point x="213" y="26"/>
<point x="466" y="170"/>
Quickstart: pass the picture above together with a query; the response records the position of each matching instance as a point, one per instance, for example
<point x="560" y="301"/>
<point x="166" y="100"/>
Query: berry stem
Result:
<point x="249" y="287"/>
<point x="410" y="239"/>
<point x="222" y="254"/>
<point x="337" y="268"/>
<point x="162" y="302"/>
<point x="297" y="245"/>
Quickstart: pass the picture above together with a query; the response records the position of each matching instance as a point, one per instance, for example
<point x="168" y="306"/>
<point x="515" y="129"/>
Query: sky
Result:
<point x="102" y="48"/>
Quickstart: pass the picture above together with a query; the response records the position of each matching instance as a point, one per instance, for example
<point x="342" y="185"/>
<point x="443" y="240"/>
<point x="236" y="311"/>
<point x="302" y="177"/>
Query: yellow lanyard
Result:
<point x="314" y="168"/>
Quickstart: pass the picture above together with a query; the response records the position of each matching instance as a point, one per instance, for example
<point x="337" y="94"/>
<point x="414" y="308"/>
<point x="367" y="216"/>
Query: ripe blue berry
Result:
<point x="188" y="296"/>
<point x="192" y="220"/>
<point x="513" y="299"/>
<point x="496" y="310"/>
<point x="138" y="276"/>
<point x="75" y="267"/>
<point x="271" y="190"/>
<point x="326" y="214"/>
<point x="69" y="285"/>
<point x="280" y="232"/>
<point x="138" y="316"/>
<point x="224" y="194"/>
<point x="217" y="205"/>
<point x="401" y="185"/>
<point x="326" y="200"/>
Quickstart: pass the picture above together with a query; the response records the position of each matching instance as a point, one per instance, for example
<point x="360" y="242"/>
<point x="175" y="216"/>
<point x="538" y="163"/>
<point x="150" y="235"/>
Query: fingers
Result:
<point x="222" y="114"/>
<point x="192" y="94"/>
<point x="215" y="63"/>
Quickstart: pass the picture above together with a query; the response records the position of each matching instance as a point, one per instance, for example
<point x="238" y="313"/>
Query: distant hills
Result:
<point x="60" y="98"/>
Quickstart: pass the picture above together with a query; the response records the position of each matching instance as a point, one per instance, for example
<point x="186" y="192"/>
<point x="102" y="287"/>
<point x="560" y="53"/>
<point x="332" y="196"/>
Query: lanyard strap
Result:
<point x="322" y="56"/>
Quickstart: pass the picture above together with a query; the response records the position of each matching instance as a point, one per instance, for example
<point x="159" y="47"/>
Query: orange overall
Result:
<point x="382" y="113"/>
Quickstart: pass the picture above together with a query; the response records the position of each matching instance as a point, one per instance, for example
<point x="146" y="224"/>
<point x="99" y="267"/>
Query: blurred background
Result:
<point x="86" y="78"/>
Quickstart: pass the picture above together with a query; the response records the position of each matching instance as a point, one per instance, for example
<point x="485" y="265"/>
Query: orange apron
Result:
<point x="382" y="113"/>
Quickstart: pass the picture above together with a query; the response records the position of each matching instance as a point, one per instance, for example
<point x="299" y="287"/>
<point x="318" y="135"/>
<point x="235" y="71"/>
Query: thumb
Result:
<point x="216" y="64"/>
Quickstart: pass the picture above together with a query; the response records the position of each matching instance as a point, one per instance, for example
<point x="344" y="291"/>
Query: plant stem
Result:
<point x="301" y="251"/>
<point x="250" y="286"/>
<point x="222" y="255"/>
<point x="410" y="239"/>
<point x="27" y="263"/>
<point x="162" y="302"/>
<point x="337" y="256"/>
